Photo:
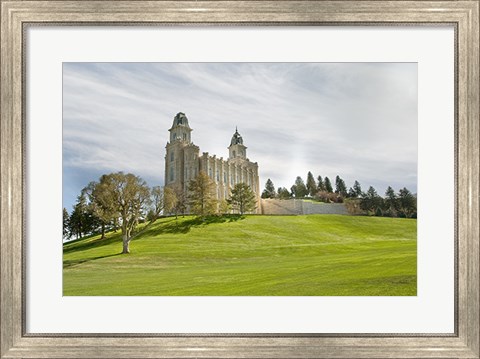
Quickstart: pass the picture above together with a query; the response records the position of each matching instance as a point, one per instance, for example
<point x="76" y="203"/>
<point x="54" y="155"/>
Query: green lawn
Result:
<point x="255" y="255"/>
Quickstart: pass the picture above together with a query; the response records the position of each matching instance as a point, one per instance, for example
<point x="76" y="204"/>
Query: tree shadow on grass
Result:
<point x="82" y="246"/>
<point x="184" y="226"/>
<point x="171" y="225"/>
<point x="75" y="262"/>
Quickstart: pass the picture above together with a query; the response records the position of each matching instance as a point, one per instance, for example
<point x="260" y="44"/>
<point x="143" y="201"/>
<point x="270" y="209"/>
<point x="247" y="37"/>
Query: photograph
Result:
<point x="254" y="179"/>
<point x="240" y="179"/>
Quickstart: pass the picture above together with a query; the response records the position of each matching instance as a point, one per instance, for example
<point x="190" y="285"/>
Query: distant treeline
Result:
<point x="401" y="204"/>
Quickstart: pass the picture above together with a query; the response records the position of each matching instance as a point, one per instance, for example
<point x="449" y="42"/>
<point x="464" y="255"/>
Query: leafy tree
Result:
<point x="299" y="190"/>
<point x="92" y="222"/>
<point x="269" y="191"/>
<point x="407" y="203"/>
<point x="391" y="202"/>
<point x="151" y="217"/>
<point x="101" y="202"/>
<point x="130" y="198"/>
<point x="371" y="200"/>
<point x="283" y="193"/>
<point x="157" y="198"/>
<point x="170" y="201"/>
<point x="340" y="187"/>
<point x="224" y="207"/>
<point x="163" y="200"/>
<point x="321" y="184"/>
<point x="202" y="195"/>
<point x="328" y="185"/>
<point x="311" y="185"/>
<point x="242" y="198"/>
<point x="181" y="201"/>
<point x="66" y="224"/>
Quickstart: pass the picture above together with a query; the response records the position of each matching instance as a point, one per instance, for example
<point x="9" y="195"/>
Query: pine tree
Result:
<point x="299" y="190"/>
<point x="283" y="193"/>
<point x="371" y="201"/>
<point x="269" y="191"/>
<point x="355" y="191"/>
<point x="351" y="193"/>
<point x="78" y="217"/>
<point x="391" y="202"/>
<point x="340" y="187"/>
<point x="66" y="224"/>
<point x="328" y="185"/>
<point x="321" y="184"/>
<point x="407" y="202"/>
<point x="311" y="185"/>
<point x="242" y="198"/>
<point x="357" y="188"/>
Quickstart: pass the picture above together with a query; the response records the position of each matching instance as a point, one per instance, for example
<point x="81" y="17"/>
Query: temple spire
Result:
<point x="180" y="130"/>
<point x="237" y="149"/>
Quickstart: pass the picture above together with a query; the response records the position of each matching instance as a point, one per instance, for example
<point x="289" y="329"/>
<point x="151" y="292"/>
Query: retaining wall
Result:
<point x="299" y="206"/>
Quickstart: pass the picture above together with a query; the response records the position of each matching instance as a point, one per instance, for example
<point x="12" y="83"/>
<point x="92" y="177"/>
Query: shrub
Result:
<point x="328" y="197"/>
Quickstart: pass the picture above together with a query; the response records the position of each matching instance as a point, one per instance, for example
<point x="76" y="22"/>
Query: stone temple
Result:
<point x="183" y="162"/>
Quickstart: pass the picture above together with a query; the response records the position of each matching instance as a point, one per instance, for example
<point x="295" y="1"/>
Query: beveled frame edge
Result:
<point x="14" y="343"/>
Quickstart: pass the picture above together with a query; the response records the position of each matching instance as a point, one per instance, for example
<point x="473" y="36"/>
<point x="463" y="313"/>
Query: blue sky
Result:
<point x="357" y="120"/>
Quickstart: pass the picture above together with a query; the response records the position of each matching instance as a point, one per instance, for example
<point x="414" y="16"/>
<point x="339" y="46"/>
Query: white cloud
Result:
<point x="355" y="120"/>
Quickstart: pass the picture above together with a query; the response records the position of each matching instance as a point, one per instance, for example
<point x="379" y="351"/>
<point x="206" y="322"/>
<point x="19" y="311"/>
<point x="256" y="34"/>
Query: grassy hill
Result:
<point x="255" y="255"/>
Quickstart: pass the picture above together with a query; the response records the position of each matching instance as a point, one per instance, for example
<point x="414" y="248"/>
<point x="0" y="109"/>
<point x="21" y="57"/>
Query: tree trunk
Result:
<point x="103" y="230"/>
<point x="126" y="243"/>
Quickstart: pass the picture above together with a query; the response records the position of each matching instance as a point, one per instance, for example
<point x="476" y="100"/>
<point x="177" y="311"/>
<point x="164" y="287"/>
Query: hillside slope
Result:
<point x="257" y="255"/>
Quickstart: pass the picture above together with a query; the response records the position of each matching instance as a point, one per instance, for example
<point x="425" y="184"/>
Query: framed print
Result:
<point x="248" y="97"/>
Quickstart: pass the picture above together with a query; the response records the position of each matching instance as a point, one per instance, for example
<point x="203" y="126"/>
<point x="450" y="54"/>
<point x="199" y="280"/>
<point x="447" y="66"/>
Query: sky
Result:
<point x="355" y="120"/>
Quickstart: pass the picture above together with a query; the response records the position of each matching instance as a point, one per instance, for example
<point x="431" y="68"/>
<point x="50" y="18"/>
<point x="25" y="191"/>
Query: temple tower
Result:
<point x="181" y="155"/>
<point x="236" y="148"/>
<point x="183" y="163"/>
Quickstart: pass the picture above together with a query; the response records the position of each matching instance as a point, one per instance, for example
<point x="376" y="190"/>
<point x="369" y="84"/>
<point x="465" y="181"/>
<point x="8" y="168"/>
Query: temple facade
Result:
<point x="183" y="162"/>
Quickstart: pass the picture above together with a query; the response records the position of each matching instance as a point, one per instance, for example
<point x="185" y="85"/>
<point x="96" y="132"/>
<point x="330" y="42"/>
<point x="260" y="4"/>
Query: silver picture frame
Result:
<point x="16" y="16"/>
